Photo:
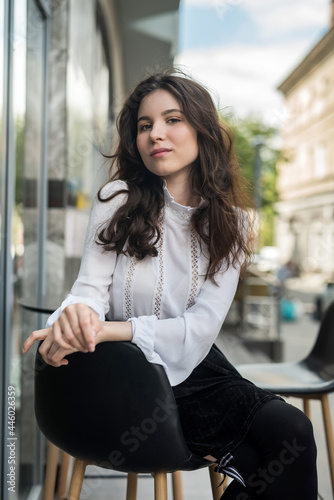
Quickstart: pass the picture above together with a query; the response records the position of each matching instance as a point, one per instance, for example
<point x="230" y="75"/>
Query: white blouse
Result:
<point x="176" y="314"/>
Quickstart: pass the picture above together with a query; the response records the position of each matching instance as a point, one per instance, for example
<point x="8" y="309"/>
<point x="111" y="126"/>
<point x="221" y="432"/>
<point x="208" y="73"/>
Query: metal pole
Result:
<point x="258" y="143"/>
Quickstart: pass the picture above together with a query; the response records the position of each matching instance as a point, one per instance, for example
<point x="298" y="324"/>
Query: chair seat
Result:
<point x="289" y="378"/>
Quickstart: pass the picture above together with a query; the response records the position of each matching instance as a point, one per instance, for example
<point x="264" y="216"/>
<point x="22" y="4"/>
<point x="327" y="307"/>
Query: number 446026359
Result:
<point x="11" y="410"/>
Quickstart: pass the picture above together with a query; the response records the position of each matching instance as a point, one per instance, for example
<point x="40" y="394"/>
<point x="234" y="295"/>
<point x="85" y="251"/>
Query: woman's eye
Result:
<point x="173" y="120"/>
<point x="145" y="127"/>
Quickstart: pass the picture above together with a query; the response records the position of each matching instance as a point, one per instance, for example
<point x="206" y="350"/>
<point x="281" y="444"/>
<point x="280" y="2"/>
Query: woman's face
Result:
<point x="166" y="141"/>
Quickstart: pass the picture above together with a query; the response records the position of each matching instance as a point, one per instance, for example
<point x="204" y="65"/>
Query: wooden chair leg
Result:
<point x="131" y="486"/>
<point x="307" y="407"/>
<point x="160" y="486"/>
<point x="51" y="472"/>
<point x="329" y="434"/>
<point x="62" y="483"/>
<point x="177" y="485"/>
<point x="216" y="479"/>
<point x="78" y="475"/>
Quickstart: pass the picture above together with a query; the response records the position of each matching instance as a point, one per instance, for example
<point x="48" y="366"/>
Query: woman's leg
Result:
<point x="277" y="458"/>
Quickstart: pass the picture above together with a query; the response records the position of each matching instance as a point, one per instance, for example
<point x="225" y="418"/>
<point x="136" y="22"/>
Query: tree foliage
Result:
<point x="247" y="133"/>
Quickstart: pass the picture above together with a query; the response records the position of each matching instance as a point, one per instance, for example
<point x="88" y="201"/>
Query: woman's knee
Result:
<point x="298" y="438"/>
<point x="285" y="426"/>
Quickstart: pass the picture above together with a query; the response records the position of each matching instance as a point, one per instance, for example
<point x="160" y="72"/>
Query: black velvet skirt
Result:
<point x="217" y="406"/>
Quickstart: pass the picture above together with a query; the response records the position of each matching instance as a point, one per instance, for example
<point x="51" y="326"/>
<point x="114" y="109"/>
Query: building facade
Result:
<point x="305" y="212"/>
<point x="65" y="66"/>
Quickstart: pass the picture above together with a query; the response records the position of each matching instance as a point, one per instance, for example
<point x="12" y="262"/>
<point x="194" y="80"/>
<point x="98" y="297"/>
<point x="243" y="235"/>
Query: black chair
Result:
<point x="114" y="409"/>
<point x="310" y="378"/>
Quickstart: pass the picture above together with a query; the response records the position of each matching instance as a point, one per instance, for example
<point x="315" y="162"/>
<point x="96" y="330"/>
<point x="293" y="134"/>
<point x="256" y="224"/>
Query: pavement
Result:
<point x="298" y="337"/>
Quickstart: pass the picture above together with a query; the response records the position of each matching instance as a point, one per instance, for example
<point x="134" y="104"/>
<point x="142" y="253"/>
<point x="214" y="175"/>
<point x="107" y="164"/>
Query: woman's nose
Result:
<point x="157" y="132"/>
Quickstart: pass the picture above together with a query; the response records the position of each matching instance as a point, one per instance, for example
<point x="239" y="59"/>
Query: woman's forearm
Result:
<point x="114" y="330"/>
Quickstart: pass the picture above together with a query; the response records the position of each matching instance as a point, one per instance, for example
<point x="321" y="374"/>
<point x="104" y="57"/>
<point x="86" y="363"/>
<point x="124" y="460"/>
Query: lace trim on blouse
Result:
<point x="160" y="284"/>
<point x="128" y="312"/>
<point x="194" y="269"/>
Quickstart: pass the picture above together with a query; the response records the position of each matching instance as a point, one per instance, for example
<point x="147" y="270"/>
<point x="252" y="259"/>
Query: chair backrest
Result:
<point x="111" y="407"/>
<point x="321" y="356"/>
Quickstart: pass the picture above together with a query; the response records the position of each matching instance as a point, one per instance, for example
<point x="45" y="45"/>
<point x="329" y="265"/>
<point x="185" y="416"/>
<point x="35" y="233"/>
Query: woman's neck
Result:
<point x="182" y="194"/>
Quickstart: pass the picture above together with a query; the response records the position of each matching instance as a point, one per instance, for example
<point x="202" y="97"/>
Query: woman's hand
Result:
<point x="77" y="329"/>
<point x="51" y="352"/>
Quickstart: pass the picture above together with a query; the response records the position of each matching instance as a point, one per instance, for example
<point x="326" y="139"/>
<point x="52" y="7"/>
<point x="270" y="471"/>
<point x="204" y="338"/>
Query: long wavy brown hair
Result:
<point x="215" y="177"/>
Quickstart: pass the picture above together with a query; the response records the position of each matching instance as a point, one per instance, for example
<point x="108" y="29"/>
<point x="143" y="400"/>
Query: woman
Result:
<point x="165" y="245"/>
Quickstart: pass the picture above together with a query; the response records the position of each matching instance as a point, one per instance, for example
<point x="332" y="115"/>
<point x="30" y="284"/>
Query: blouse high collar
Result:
<point x="181" y="212"/>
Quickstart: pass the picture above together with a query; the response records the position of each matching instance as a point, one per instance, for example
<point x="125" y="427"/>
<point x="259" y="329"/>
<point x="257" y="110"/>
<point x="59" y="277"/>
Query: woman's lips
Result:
<point x="158" y="153"/>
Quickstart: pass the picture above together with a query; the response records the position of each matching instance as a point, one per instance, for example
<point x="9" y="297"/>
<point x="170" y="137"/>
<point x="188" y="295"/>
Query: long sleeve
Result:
<point x="97" y="266"/>
<point x="181" y="343"/>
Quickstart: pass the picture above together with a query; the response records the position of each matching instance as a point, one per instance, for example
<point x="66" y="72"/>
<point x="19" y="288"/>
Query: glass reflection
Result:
<point x="28" y="77"/>
<point x="88" y="114"/>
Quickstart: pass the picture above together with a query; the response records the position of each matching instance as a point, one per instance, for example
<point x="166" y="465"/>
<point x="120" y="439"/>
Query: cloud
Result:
<point x="244" y="76"/>
<point x="243" y="79"/>
<point x="272" y="17"/>
<point x="279" y="18"/>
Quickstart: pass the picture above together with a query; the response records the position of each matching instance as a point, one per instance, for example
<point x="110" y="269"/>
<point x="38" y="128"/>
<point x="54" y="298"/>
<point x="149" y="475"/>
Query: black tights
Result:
<point x="277" y="458"/>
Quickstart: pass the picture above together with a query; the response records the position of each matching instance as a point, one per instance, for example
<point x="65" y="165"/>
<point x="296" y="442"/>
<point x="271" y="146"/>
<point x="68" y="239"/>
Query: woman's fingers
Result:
<point x="58" y="335"/>
<point x="87" y="321"/>
<point x="45" y="347"/>
<point x="53" y="354"/>
<point x="79" y="323"/>
<point x="68" y="333"/>
<point x="54" y="348"/>
<point x="51" y="351"/>
<point x="89" y="331"/>
<point x="35" y="336"/>
<point x="76" y="329"/>
<point x="56" y="364"/>
<point x="59" y="355"/>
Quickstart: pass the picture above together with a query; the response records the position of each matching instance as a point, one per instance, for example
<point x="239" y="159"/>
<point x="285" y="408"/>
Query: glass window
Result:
<point x="28" y="112"/>
<point x="88" y="118"/>
<point x="79" y="100"/>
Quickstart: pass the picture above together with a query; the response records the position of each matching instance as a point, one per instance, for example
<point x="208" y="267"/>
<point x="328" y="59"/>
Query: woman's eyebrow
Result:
<point x="171" y="111"/>
<point x="163" y="114"/>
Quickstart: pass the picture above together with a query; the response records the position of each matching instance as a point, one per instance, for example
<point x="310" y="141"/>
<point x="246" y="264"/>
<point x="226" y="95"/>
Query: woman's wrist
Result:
<point x="114" y="330"/>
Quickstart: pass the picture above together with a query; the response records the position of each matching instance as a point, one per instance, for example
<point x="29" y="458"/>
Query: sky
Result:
<point x="243" y="49"/>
